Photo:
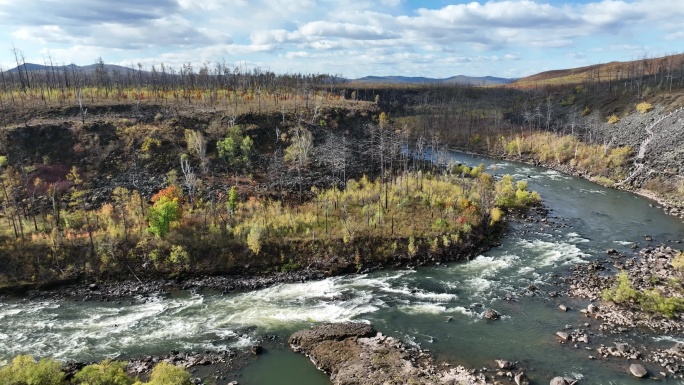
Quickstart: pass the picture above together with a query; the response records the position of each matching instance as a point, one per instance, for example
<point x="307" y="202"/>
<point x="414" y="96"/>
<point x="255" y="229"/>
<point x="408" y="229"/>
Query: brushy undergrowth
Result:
<point x="653" y="300"/>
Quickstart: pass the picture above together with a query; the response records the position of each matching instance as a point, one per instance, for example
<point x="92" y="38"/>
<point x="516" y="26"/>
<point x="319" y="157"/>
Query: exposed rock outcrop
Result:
<point x="354" y="353"/>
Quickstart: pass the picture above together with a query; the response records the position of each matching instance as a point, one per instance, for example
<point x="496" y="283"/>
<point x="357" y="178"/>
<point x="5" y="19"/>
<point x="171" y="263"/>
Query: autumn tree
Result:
<point x="165" y="210"/>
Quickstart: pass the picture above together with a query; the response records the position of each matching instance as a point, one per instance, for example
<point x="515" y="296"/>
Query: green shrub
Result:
<point x="510" y="196"/>
<point x="169" y="374"/>
<point x="106" y="373"/>
<point x="24" y="370"/>
<point x="653" y="301"/>
<point x="255" y="237"/>
<point x="622" y="291"/>
<point x="650" y="300"/>
<point x="179" y="255"/>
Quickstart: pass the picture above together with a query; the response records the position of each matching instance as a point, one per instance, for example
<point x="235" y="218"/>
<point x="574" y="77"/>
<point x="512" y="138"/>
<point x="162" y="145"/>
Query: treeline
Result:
<point x="210" y="84"/>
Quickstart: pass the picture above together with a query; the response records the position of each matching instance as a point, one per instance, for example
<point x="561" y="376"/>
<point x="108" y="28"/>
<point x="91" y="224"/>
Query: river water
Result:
<point x="413" y="305"/>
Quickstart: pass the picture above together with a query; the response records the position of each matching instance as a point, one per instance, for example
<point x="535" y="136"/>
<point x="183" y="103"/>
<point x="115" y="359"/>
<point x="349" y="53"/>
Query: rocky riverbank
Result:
<point x="668" y="206"/>
<point x="207" y="367"/>
<point x="648" y="269"/>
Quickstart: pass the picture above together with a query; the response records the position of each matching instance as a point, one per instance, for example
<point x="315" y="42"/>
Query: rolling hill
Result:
<point x="459" y="79"/>
<point x="605" y="72"/>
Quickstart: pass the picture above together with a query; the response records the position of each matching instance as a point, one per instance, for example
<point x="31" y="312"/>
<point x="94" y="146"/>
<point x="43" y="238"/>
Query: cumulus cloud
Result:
<point x="78" y="12"/>
<point x="354" y="35"/>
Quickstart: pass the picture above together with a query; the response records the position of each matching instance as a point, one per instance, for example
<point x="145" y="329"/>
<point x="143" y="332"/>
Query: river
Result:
<point x="413" y="305"/>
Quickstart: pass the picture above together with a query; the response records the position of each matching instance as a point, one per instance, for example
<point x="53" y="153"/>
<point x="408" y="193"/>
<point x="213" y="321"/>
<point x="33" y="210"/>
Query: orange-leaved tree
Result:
<point x="166" y="209"/>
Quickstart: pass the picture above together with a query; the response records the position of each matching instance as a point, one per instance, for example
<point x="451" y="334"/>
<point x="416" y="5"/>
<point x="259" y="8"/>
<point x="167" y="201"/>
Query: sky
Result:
<point x="352" y="38"/>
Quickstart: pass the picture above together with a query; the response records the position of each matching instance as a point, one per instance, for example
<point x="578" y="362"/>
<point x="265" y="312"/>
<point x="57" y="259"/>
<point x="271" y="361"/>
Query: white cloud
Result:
<point x="379" y="36"/>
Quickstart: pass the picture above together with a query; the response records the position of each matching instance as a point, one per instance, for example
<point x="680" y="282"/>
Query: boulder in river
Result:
<point x="506" y="365"/>
<point x="638" y="370"/>
<point x="492" y="314"/>
<point x="563" y="336"/>
<point x="257" y="349"/>
<point x="558" y="381"/>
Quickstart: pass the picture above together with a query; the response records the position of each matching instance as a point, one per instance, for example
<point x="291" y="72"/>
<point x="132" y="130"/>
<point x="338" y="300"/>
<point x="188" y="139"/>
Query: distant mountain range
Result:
<point x="71" y="67"/>
<point x="459" y="79"/>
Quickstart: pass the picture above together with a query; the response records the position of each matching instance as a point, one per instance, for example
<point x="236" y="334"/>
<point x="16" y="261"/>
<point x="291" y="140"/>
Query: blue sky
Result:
<point x="353" y="38"/>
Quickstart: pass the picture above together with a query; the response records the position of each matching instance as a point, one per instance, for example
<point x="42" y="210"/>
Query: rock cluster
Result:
<point x="650" y="269"/>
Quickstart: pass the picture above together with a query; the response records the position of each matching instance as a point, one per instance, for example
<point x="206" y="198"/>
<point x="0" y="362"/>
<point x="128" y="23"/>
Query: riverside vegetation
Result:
<point x="24" y="370"/>
<point x="414" y="213"/>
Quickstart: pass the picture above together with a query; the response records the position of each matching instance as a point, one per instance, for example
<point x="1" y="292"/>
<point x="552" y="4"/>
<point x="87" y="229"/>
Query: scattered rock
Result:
<point x="521" y="379"/>
<point x="638" y="370"/>
<point x="563" y="307"/>
<point x="558" y="381"/>
<point x="678" y="348"/>
<point x="563" y="336"/>
<point x="503" y="364"/>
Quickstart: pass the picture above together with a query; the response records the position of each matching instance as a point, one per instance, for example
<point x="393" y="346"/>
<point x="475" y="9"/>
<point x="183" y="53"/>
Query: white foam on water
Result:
<point x="383" y="282"/>
<point x="479" y="285"/>
<point x="315" y="301"/>
<point x="462" y="310"/>
<point x="623" y="243"/>
<point x="435" y="297"/>
<point x="555" y="175"/>
<point x="592" y="191"/>
<point x="669" y="339"/>
<point x="481" y="275"/>
<point x="576" y="238"/>
<point x="489" y="265"/>
<point x="499" y="165"/>
<point x="542" y="253"/>
<point x="423" y="308"/>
